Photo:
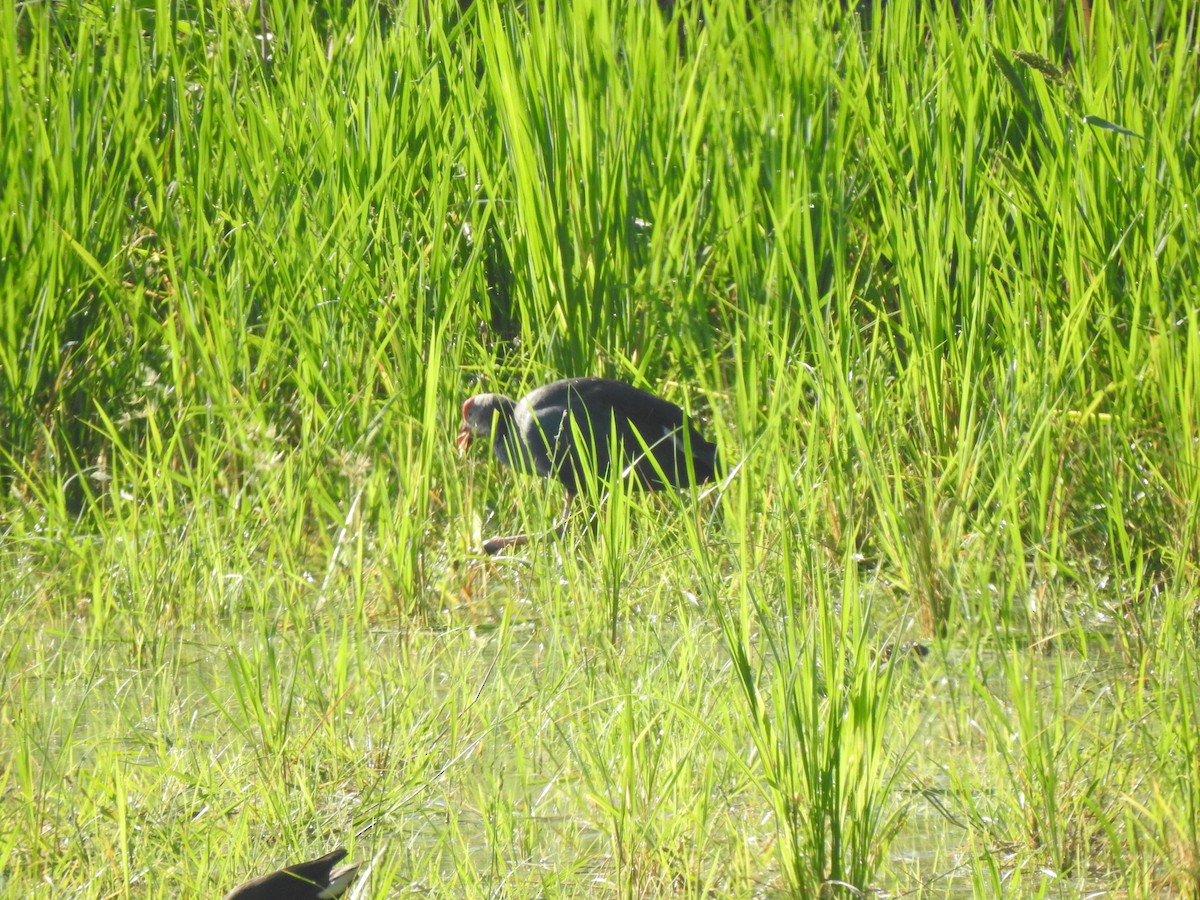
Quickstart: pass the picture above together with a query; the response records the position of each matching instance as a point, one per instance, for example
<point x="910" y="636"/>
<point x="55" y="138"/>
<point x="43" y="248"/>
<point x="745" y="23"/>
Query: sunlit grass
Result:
<point x="930" y="281"/>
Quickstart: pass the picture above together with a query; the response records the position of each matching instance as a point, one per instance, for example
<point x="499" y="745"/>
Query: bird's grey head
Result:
<point x="480" y="415"/>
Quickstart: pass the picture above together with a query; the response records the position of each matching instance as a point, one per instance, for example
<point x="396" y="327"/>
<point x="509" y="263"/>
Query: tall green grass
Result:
<point x="929" y="279"/>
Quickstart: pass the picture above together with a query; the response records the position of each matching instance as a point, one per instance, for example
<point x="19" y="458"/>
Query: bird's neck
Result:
<point x="505" y="441"/>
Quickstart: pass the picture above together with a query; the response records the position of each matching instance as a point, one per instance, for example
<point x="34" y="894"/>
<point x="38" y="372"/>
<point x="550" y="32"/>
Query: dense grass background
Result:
<point x="931" y="281"/>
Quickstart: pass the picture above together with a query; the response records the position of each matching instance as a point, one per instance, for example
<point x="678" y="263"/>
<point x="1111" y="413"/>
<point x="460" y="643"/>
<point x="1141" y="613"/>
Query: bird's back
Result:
<point x="568" y="425"/>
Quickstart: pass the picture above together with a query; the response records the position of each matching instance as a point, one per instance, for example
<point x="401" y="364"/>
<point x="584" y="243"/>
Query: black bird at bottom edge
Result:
<point x="313" y="880"/>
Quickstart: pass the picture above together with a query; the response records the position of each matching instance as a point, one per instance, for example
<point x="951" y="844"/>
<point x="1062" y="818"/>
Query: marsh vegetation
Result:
<point x="931" y="281"/>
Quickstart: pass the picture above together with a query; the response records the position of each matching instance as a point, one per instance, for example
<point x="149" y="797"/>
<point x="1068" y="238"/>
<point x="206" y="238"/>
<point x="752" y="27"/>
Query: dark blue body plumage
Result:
<point x="580" y="427"/>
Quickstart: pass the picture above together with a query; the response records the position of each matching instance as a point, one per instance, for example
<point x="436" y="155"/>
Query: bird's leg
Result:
<point x="492" y="546"/>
